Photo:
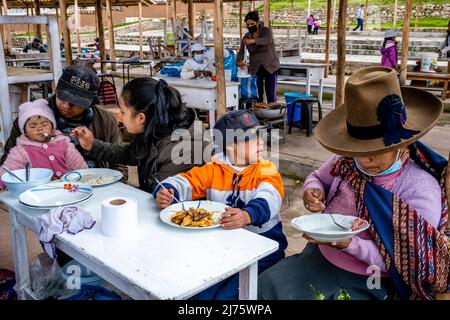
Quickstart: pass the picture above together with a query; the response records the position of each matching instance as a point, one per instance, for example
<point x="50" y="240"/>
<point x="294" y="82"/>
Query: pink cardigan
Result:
<point x="60" y="155"/>
<point x="414" y="185"/>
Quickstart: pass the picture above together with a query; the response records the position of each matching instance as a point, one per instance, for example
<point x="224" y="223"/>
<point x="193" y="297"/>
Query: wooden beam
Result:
<point x="6" y="28"/>
<point x="112" y="45"/>
<point x="141" y="52"/>
<point x="240" y="19"/>
<point x="266" y="13"/>
<point x="328" y="38"/>
<point x="395" y="13"/>
<point x="191" y="17"/>
<point x="101" y="33"/>
<point x="340" y="73"/>
<point x="221" y="105"/>
<point x="66" y="32"/>
<point x="37" y="8"/>
<point x="416" y="25"/>
<point x="28" y="25"/>
<point x="309" y="8"/>
<point x="405" y="41"/>
<point x="77" y="25"/>
<point x="366" y="15"/>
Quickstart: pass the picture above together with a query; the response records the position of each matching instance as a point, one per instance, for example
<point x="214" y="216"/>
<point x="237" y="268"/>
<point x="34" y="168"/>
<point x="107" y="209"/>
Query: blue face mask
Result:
<point x="199" y="57"/>
<point x="397" y="165"/>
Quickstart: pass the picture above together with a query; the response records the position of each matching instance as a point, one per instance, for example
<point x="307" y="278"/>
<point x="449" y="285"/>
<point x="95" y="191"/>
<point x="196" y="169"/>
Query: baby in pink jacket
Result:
<point x="41" y="144"/>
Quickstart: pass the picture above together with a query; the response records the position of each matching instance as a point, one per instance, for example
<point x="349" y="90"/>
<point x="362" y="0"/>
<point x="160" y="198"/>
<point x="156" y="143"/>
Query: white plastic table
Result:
<point x="158" y="262"/>
<point x="201" y="94"/>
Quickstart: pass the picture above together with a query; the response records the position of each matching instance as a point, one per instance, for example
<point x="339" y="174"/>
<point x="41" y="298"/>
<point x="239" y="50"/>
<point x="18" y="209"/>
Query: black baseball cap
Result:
<point x="238" y="126"/>
<point x="78" y="85"/>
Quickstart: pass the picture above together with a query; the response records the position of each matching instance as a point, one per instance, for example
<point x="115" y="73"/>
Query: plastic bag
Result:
<point x="46" y="277"/>
<point x="173" y="70"/>
<point x="230" y="64"/>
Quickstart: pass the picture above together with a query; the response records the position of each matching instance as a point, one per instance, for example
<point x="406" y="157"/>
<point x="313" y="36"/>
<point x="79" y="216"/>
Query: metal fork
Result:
<point x="162" y="186"/>
<point x="338" y="224"/>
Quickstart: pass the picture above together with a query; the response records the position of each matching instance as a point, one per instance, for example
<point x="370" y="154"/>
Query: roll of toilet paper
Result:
<point x="119" y="217"/>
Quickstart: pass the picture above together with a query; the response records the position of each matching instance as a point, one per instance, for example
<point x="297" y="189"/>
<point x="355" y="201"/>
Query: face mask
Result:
<point x="394" y="168"/>
<point x="252" y="29"/>
<point x="199" y="57"/>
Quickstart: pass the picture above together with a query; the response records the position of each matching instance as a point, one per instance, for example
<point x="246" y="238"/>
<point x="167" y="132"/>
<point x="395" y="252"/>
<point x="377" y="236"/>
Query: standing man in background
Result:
<point x="360" y="17"/>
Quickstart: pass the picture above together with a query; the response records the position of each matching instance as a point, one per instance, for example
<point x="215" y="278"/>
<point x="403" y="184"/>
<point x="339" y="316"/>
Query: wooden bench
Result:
<point x="440" y="77"/>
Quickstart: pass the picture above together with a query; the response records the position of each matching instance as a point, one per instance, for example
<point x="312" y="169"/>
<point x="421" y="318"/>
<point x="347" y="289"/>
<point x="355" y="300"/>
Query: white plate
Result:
<point x="55" y="194"/>
<point x="95" y="177"/>
<point x="217" y="207"/>
<point x="320" y="227"/>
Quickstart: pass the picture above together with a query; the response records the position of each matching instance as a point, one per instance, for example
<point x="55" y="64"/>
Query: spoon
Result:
<point x="338" y="224"/>
<point x="13" y="174"/>
<point x="182" y="205"/>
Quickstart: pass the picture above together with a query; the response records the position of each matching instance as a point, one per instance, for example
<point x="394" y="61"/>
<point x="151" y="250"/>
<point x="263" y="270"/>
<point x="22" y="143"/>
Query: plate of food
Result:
<point x="321" y="227"/>
<point x="96" y="177"/>
<point x="202" y="214"/>
<point x="55" y="194"/>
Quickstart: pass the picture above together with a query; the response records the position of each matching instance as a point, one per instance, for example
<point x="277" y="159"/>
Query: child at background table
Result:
<point x="41" y="144"/>
<point x="240" y="178"/>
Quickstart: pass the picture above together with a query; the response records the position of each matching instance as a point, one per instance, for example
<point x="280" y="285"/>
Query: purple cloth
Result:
<point x="309" y="21"/>
<point x="72" y="219"/>
<point x="389" y="55"/>
<point x="418" y="188"/>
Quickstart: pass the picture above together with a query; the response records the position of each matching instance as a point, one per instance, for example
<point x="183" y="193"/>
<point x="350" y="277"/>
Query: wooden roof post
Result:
<point x="6" y="27"/>
<point x="266" y="13"/>
<point x="405" y="42"/>
<point x="340" y="73"/>
<point x="240" y="20"/>
<point x="101" y="33"/>
<point x="77" y="25"/>
<point x="416" y="26"/>
<point x="66" y="32"/>
<point x="112" y="45"/>
<point x="141" y="52"/>
<point x="395" y="13"/>
<point x="221" y="105"/>
<point x="37" y="8"/>
<point x="191" y="17"/>
<point x="366" y="15"/>
<point x="309" y="8"/>
<point x="328" y="38"/>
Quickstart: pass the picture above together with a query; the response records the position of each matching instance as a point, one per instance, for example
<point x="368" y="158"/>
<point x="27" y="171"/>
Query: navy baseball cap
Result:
<point x="78" y="85"/>
<point x="238" y="126"/>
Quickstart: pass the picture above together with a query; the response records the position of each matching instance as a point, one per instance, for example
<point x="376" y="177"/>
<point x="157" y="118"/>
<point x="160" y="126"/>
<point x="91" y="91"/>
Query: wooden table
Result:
<point x="202" y="94"/>
<point x="158" y="262"/>
<point x="441" y="77"/>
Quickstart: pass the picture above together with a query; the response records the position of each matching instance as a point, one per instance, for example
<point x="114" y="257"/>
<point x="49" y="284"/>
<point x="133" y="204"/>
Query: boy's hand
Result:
<point x="84" y="136"/>
<point x="164" y="198"/>
<point x="234" y="218"/>
<point x="313" y="199"/>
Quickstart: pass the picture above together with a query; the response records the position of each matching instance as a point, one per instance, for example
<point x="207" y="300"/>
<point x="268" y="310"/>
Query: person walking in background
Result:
<point x="445" y="46"/>
<point x="310" y="23"/>
<point x="360" y="17"/>
<point x="389" y="51"/>
<point x="317" y="24"/>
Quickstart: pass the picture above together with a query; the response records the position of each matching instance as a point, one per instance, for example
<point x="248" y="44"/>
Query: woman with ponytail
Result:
<point x="151" y="111"/>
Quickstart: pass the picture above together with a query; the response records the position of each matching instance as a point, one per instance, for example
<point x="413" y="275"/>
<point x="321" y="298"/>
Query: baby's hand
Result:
<point x="84" y="136"/>
<point x="164" y="198"/>
<point x="234" y="218"/>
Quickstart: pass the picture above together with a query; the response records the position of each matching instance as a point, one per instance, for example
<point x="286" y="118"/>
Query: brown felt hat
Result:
<point x="377" y="115"/>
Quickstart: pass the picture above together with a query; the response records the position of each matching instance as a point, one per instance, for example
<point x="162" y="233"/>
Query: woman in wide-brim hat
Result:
<point x="382" y="174"/>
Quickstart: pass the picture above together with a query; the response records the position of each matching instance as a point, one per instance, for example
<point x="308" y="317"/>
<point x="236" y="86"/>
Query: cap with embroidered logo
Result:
<point x="78" y="85"/>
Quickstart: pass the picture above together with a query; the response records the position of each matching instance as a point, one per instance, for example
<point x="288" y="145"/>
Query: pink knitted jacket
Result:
<point x="59" y="155"/>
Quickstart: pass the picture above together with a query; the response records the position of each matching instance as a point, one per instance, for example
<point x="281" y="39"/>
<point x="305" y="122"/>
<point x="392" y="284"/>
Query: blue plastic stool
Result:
<point x="291" y="97"/>
<point x="305" y="105"/>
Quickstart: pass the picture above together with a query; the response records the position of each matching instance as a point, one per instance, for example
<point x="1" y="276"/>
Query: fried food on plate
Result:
<point x="193" y="218"/>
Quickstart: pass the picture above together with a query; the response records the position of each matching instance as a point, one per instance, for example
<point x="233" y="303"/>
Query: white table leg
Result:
<point x="320" y="90"/>
<point x="308" y="82"/>
<point x="248" y="282"/>
<point x="212" y="117"/>
<point x="20" y="255"/>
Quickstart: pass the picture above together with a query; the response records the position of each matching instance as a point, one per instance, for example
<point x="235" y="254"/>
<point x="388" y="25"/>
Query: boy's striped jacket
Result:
<point x="257" y="189"/>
